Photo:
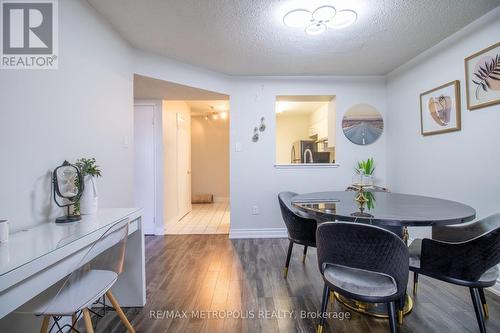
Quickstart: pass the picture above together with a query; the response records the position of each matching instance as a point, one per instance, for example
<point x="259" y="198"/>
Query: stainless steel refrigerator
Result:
<point x="302" y="151"/>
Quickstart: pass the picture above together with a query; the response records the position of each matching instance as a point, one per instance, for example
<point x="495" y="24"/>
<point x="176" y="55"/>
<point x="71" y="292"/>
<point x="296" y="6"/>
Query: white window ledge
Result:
<point x="306" y="166"/>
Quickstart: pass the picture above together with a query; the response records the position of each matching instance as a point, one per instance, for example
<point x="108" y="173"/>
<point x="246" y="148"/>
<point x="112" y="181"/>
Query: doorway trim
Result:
<point x="159" y="228"/>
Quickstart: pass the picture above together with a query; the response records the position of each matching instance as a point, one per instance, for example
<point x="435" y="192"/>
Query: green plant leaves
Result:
<point x="485" y="72"/>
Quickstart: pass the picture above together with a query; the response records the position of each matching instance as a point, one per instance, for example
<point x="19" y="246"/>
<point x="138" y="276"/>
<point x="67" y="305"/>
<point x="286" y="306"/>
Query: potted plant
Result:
<point x="88" y="202"/>
<point x="364" y="172"/>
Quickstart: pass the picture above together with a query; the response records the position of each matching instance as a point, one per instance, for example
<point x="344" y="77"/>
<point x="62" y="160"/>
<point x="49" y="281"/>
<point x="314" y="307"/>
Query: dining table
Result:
<point x="392" y="211"/>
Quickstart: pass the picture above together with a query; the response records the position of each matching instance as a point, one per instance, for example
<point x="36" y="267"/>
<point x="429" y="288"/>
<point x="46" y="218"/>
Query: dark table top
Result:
<point x="390" y="209"/>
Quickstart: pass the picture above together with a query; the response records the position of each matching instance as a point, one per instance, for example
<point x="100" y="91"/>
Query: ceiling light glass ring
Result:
<point x="342" y="19"/>
<point x="316" y="29"/>
<point x="324" y="13"/>
<point x="297" y="18"/>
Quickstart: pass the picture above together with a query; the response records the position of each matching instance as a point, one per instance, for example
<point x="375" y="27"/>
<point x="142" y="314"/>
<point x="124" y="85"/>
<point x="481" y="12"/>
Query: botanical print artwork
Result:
<point x="440" y="109"/>
<point x="482" y="72"/>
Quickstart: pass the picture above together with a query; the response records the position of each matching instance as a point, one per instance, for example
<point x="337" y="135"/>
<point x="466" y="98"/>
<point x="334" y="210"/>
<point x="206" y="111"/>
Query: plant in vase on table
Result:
<point x="90" y="171"/>
<point x="364" y="172"/>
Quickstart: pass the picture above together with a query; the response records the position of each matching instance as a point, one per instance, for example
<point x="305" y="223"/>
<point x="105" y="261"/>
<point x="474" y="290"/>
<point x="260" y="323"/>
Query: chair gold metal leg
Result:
<point x="332" y="297"/>
<point x="400" y="317"/>
<point x="486" y="311"/>
<point x="484" y="304"/>
<point x="88" y="321"/>
<point x="45" y="324"/>
<point x="119" y="311"/>
<point x="320" y="329"/>
<point x="285" y="272"/>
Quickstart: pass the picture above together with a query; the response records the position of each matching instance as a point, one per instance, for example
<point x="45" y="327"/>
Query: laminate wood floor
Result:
<point x="203" y="219"/>
<point x="213" y="273"/>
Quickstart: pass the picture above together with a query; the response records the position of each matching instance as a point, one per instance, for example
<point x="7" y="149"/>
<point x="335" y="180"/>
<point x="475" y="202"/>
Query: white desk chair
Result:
<point x="92" y="279"/>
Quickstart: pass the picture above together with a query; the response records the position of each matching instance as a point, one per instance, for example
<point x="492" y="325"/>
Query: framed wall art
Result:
<point x="440" y="109"/>
<point x="482" y="77"/>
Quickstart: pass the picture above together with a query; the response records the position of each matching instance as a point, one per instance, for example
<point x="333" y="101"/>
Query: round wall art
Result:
<point x="362" y="124"/>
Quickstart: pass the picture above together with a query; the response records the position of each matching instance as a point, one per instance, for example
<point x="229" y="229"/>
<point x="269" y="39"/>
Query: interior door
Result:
<point x="144" y="162"/>
<point x="184" y="163"/>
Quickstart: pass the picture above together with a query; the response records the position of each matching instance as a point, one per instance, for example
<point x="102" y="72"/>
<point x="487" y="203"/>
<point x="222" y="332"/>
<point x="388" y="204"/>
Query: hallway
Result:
<point x="203" y="219"/>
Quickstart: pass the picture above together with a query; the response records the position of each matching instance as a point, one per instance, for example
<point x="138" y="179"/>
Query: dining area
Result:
<point x="370" y="264"/>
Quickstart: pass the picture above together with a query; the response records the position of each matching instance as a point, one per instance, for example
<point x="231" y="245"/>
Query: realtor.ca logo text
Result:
<point x="29" y="37"/>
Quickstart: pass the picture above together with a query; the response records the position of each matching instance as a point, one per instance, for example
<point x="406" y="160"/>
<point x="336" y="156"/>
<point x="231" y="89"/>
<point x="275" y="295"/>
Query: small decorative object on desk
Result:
<point x="67" y="183"/>
<point x="4" y="230"/>
<point x="88" y="202"/>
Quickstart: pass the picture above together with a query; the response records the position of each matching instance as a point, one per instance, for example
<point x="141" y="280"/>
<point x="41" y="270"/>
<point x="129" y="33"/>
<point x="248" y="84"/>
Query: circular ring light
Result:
<point x="324" y="13"/>
<point x="342" y="19"/>
<point x="316" y="29"/>
<point x="297" y="18"/>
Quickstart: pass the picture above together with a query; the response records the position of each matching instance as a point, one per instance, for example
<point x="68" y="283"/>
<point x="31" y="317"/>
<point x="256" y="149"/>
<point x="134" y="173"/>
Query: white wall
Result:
<point x="210" y="157"/>
<point x="254" y="179"/>
<point x="460" y="165"/>
<point x="83" y="109"/>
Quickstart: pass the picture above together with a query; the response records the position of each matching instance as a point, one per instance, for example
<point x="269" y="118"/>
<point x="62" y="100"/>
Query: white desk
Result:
<point x="36" y="258"/>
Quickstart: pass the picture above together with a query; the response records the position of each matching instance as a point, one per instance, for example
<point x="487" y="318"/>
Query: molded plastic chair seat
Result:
<point x="359" y="281"/>
<point x="90" y="287"/>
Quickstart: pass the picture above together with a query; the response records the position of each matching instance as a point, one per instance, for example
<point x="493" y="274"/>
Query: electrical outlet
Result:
<point x="255" y="210"/>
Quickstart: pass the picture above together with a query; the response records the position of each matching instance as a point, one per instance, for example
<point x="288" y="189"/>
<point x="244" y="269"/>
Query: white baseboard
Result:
<point x="258" y="233"/>
<point x="160" y="231"/>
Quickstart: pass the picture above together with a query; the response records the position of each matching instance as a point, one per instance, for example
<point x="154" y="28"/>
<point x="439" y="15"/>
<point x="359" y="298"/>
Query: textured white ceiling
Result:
<point x="150" y="88"/>
<point x="247" y="37"/>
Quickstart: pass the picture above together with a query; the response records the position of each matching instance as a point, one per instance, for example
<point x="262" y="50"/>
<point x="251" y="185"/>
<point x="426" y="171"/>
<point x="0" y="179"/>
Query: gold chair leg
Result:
<point x="88" y="321"/>
<point x="320" y="329"/>
<point x="119" y="311"/>
<point x="45" y="324"/>
<point x="400" y="317"/>
<point x="486" y="311"/>
<point x="415" y="288"/>
<point x="332" y="298"/>
<point x="285" y="272"/>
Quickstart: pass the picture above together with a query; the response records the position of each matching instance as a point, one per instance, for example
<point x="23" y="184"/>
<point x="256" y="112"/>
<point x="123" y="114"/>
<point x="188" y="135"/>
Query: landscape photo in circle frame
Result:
<point x="440" y="109"/>
<point x="362" y="124"/>
<point x="482" y="78"/>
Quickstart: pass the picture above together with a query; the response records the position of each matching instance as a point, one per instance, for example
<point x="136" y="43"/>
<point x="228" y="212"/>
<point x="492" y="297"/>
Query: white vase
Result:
<point x="89" y="198"/>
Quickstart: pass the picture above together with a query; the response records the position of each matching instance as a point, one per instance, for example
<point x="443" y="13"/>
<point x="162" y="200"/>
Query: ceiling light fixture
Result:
<point x="317" y="21"/>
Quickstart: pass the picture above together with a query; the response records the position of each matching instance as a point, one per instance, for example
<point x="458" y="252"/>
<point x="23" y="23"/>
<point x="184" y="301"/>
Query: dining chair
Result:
<point x="301" y="230"/>
<point x="460" y="233"/>
<point x="362" y="262"/>
<point x="468" y="257"/>
<point x="89" y="281"/>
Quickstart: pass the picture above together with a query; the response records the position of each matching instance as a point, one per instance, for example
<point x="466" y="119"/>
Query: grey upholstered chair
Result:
<point x="362" y="262"/>
<point x="301" y="230"/>
<point x="465" y="255"/>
